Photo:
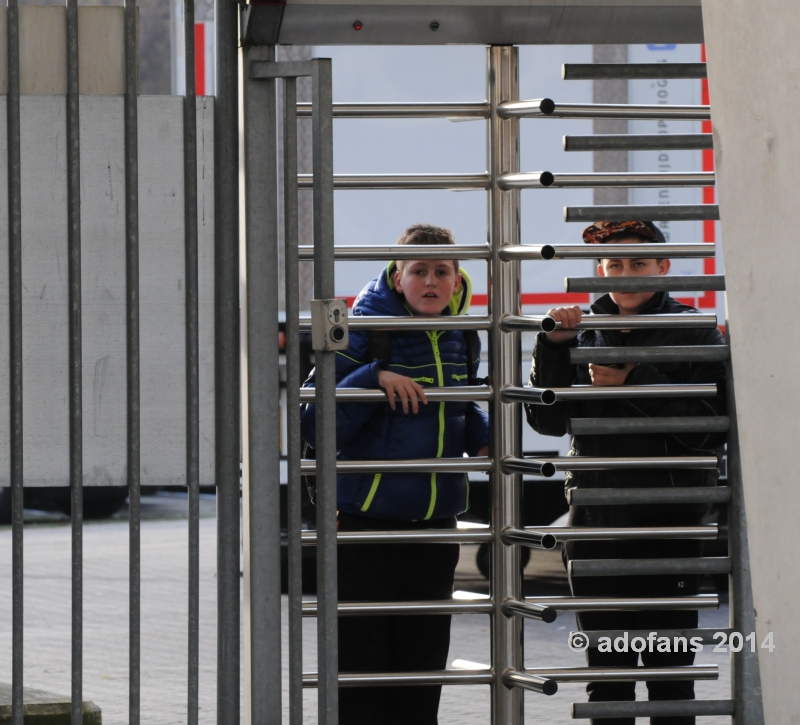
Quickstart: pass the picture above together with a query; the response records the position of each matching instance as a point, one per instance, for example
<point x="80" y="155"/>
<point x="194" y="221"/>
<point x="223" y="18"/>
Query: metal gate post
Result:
<point x="503" y="222"/>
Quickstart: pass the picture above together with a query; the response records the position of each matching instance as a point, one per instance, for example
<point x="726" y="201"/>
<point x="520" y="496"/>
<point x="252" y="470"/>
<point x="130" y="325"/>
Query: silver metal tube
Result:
<point x="631" y="71"/>
<point x="378" y="395"/>
<point x="528" y="467"/>
<point x="626" y="179"/>
<point x="647" y="567"/>
<point x="628" y="674"/>
<point x="404" y="324"/>
<point x="687" y="353"/>
<point x="587" y="533"/>
<point x="666" y="213"/>
<point x="588" y="463"/>
<point x="612" y="392"/>
<point x="610" y="251"/>
<point x="411" y="465"/>
<point x="450" y="182"/>
<point x="423" y="536"/>
<point x="15" y="353"/>
<point x="403" y="110"/>
<point x="634" y="426"/>
<point x="639" y="142"/>
<point x="546" y="108"/>
<point x="524" y="394"/>
<point x="706" y="636"/>
<point x="533" y="538"/>
<point x="625" y="496"/>
<point x="623" y="604"/>
<point x="429" y="606"/>
<point x="227" y="358"/>
<point x="533" y="683"/>
<point x="673" y="283"/>
<point x="527" y="323"/>
<point x="417" y="251"/>
<point x="655" y="708"/>
<point x="544" y="323"/>
<point x="540" y="612"/>
<point x="406" y="679"/>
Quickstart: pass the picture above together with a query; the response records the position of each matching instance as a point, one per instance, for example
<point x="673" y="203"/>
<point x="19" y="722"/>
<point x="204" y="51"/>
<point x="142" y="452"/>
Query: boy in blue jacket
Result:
<point x="406" y="426"/>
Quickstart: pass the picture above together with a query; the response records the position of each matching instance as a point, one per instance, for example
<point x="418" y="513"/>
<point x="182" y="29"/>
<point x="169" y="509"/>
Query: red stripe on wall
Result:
<point x="708" y="300"/>
<point x="200" y="58"/>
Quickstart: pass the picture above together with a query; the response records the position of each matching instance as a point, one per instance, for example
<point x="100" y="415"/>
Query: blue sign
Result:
<point x="668" y="46"/>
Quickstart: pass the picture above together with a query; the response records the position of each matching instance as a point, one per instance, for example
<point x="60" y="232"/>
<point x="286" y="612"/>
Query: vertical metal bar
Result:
<point x="75" y="354"/>
<point x="15" y="355"/>
<point x="745" y="671"/>
<point x="132" y="349"/>
<point x="261" y="482"/>
<point x="503" y="153"/>
<point x="227" y="373"/>
<point x="192" y="360"/>
<point x="294" y="481"/>
<point x="324" y="288"/>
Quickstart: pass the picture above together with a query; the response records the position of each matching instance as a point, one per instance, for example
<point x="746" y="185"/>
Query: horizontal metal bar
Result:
<point x="639" y="142"/>
<point x="654" y="708"/>
<point x="589" y="463"/>
<point x="649" y="567"/>
<point x="625" y="496"/>
<point x="610" y="251"/>
<point x="308" y="467"/>
<point x="588" y="533"/>
<point x="663" y="213"/>
<point x="623" y="179"/>
<point x="451" y="182"/>
<point x="634" y="426"/>
<point x="605" y="392"/>
<point x="424" y="536"/>
<point x="406" y="679"/>
<point x="540" y="612"/>
<point x="660" y="283"/>
<point x="534" y="538"/>
<point x="686" y="353"/>
<point x="628" y="674"/>
<point x="399" y="324"/>
<point x="395" y="252"/>
<point x="622" y="604"/>
<point x="545" y="323"/>
<point x="378" y="395"/>
<point x="706" y="636"/>
<point x="402" y="110"/>
<point x="528" y="467"/>
<point x="527" y="323"/>
<point x="631" y="71"/>
<point x="533" y="683"/>
<point x="547" y="108"/>
<point x="444" y="606"/>
<point x="535" y="396"/>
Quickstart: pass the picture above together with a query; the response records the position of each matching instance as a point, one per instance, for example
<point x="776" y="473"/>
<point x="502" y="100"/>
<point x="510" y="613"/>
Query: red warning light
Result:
<point x="357" y="25"/>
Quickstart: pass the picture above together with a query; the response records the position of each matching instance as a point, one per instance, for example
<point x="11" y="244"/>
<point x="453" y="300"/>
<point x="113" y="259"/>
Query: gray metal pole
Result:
<point x="503" y="215"/>
<point x="324" y="288"/>
<point x="226" y="359"/>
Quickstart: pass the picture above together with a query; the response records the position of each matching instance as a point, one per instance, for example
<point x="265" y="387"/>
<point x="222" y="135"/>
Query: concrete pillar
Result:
<point x="753" y="67"/>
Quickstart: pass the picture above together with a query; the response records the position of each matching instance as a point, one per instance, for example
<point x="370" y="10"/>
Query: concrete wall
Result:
<point x="754" y="74"/>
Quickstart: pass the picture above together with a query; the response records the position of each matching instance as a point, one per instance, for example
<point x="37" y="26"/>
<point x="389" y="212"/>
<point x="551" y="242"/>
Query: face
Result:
<point x="428" y="284"/>
<point x="630" y="303"/>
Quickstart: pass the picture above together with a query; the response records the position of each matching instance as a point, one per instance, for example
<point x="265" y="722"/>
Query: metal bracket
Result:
<point x="329" y="329"/>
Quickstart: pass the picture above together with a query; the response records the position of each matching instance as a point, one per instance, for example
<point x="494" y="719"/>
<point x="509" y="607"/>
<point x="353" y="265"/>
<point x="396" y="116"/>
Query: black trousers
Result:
<point x="393" y="572"/>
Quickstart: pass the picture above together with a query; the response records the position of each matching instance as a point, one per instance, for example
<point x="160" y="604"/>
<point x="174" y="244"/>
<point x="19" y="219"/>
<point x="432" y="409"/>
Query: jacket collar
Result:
<point x="656" y="304"/>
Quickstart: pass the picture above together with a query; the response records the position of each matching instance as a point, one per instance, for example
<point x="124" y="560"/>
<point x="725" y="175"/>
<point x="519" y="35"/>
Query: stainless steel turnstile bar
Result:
<point x="540" y="612"/>
<point x="625" y="179"/>
<point x="547" y="108"/>
<point x="588" y="463"/>
<point x="613" y="392"/>
<point x="647" y="567"/>
<point x="378" y="395"/>
<point x="668" y="212"/>
<point x="610" y="251"/>
<point x="428" y="606"/>
<point x="533" y="538"/>
<point x="706" y="636"/>
<point x="545" y="323"/>
<point x="628" y="674"/>
<point x="405" y="679"/>
<point x="633" y="426"/>
<point x="534" y="683"/>
<point x="624" y="604"/>
<point x="639" y="142"/>
<point x="410" y="465"/>
<point x="655" y="708"/>
<point x="478" y="110"/>
<point x="625" y="496"/>
<point x="451" y="182"/>
<point x="15" y="357"/>
<point x="417" y="251"/>
<point x="460" y="322"/>
<point x="589" y="533"/>
<point x="75" y="355"/>
<point x="687" y="353"/>
<point x="631" y="71"/>
<point x="422" y="536"/>
<point x="670" y="283"/>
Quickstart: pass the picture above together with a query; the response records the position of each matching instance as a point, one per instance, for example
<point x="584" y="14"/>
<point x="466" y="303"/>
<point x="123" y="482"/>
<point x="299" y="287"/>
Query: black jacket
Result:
<point x="552" y="368"/>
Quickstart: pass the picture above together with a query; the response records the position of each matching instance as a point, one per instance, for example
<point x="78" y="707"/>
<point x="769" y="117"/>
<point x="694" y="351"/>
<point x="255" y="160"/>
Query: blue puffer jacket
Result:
<point x="369" y="431"/>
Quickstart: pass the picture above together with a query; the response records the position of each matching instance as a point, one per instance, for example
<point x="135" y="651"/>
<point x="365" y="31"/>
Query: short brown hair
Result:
<point x="426" y="234"/>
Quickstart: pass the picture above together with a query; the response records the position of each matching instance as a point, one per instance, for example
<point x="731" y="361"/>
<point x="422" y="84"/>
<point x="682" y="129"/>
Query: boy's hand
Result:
<point x="405" y="388"/>
<point x="604" y="375"/>
<point x="568" y="317"/>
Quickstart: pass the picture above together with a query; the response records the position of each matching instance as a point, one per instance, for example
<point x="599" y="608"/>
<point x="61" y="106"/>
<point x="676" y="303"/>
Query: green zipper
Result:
<point x="434" y="338"/>
<point x="459" y="377"/>
<point x="372" y="491"/>
<point x="430" y="381"/>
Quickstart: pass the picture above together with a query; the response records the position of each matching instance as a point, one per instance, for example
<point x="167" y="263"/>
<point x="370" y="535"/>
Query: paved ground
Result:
<point x="164" y="556"/>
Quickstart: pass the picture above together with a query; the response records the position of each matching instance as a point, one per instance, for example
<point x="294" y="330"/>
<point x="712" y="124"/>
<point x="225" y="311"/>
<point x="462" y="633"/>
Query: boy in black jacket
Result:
<point x="552" y="368"/>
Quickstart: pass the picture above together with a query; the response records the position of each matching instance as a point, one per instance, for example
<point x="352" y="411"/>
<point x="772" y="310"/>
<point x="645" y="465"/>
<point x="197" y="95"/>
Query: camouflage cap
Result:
<point x="599" y="232"/>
